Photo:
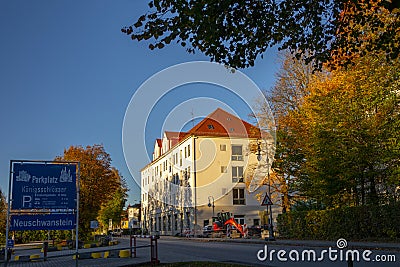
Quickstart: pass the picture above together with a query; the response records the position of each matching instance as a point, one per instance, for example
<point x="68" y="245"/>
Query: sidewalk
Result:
<point x="305" y="243"/>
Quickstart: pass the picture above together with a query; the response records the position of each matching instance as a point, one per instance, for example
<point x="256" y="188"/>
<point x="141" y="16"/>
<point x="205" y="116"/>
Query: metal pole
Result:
<point x="195" y="186"/>
<point x="151" y="250"/>
<point x="8" y="214"/>
<point x="77" y="215"/>
<point x="271" y="224"/>
<point x="172" y="220"/>
<point x="130" y="243"/>
<point x="45" y="249"/>
<point x="156" y="248"/>
<point x="211" y="205"/>
<point x="134" y="247"/>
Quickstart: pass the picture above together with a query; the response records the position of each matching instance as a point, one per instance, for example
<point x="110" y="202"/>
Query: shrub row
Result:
<point x="352" y="223"/>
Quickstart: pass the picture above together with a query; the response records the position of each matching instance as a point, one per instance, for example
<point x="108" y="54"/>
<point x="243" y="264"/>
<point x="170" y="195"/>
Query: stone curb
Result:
<point x="305" y="243"/>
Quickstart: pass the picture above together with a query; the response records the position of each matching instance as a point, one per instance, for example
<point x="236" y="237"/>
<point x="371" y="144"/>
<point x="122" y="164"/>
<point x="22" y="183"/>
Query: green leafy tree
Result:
<point x="236" y="32"/>
<point x="99" y="181"/>
<point x="352" y="120"/>
<point x="113" y="209"/>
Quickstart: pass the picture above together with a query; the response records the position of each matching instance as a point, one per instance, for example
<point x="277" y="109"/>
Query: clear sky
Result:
<point x="67" y="75"/>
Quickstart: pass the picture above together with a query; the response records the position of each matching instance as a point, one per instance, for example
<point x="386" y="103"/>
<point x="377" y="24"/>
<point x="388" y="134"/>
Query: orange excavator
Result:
<point x="222" y="220"/>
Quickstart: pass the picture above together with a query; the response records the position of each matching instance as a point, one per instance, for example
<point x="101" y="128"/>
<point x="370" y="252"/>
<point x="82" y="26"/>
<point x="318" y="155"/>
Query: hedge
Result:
<point x="353" y="223"/>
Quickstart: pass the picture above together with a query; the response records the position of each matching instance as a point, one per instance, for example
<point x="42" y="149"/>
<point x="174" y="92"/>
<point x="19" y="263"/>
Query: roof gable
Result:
<point x="222" y="123"/>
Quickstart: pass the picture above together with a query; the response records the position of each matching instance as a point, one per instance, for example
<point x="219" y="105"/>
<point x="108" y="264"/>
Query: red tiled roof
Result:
<point x="222" y="123"/>
<point x="219" y="123"/>
<point x="159" y="142"/>
<point x="175" y="137"/>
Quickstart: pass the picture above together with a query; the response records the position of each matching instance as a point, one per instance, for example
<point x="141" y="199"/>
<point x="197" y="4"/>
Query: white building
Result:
<point x="210" y="165"/>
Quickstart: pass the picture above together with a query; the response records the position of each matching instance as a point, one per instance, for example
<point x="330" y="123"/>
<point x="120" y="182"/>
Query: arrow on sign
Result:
<point x="266" y="201"/>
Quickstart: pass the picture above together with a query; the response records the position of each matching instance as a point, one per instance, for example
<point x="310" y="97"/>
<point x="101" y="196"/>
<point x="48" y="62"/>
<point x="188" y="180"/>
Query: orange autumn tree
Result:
<point x="337" y="129"/>
<point x="99" y="181"/>
<point x="286" y="97"/>
<point x="350" y="122"/>
<point x="337" y="134"/>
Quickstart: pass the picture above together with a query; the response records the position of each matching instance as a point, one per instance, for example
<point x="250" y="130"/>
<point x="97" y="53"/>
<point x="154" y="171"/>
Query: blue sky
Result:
<point x="67" y="75"/>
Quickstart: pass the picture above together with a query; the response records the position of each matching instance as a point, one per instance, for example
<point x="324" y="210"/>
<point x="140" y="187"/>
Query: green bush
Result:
<point x="354" y="223"/>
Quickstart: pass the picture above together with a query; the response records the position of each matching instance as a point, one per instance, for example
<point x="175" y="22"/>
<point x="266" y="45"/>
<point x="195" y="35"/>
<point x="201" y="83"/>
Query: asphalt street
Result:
<point x="172" y="250"/>
<point x="246" y="252"/>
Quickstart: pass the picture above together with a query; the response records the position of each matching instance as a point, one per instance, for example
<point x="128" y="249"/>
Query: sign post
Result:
<point x="10" y="243"/>
<point x="266" y="201"/>
<point x="43" y="195"/>
<point x="43" y="186"/>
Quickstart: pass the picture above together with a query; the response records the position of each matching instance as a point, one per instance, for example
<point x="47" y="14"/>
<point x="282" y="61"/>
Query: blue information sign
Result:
<point x="10" y="243"/>
<point x="43" y="186"/>
<point x="42" y="222"/>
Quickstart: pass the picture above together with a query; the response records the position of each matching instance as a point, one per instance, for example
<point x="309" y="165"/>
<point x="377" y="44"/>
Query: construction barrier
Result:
<point x="120" y="252"/>
<point x="153" y="247"/>
<point x="26" y="258"/>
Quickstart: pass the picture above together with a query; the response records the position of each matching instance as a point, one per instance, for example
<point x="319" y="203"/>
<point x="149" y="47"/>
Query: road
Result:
<point x="172" y="250"/>
<point x="181" y="249"/>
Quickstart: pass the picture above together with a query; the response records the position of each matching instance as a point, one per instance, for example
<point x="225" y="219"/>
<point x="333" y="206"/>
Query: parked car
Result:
<point x="116" y="232"/>
<point x="207" y="230"/>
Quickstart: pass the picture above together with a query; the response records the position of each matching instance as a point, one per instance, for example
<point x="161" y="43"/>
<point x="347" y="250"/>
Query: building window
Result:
<point x="239" y="219"/>
<point x="180" y="157"/>
<point x="238" y="196"/>
<point x="188" y="173"/>
<point x="210" y="126"/>
<point x="237" y="152"/>
<point x="256" y="222"/>
<point x="206" y="222"/>
<point x="169" y="222"/>
<point x="237" y="174"/>
<point x="223" y="169"/>
<point x="185" y="152"/>
<point x="188" y="150"/>
<point x="222" y="147"/>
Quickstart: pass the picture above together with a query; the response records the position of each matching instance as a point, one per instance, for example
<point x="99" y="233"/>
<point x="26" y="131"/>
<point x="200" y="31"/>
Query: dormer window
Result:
<point x="210" y="126"/>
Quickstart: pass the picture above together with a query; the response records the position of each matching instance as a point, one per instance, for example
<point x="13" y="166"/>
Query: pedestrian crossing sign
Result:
<point x="266" y="201"/>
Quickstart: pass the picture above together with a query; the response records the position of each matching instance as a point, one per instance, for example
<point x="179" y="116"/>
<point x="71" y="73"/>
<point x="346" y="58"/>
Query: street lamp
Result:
<point x="209" y="203"/>
<point x="270" y="224"/>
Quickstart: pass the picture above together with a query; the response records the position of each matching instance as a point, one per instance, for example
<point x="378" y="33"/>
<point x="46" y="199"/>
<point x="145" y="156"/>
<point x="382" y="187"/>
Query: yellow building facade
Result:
<point x="196" y="174"/>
